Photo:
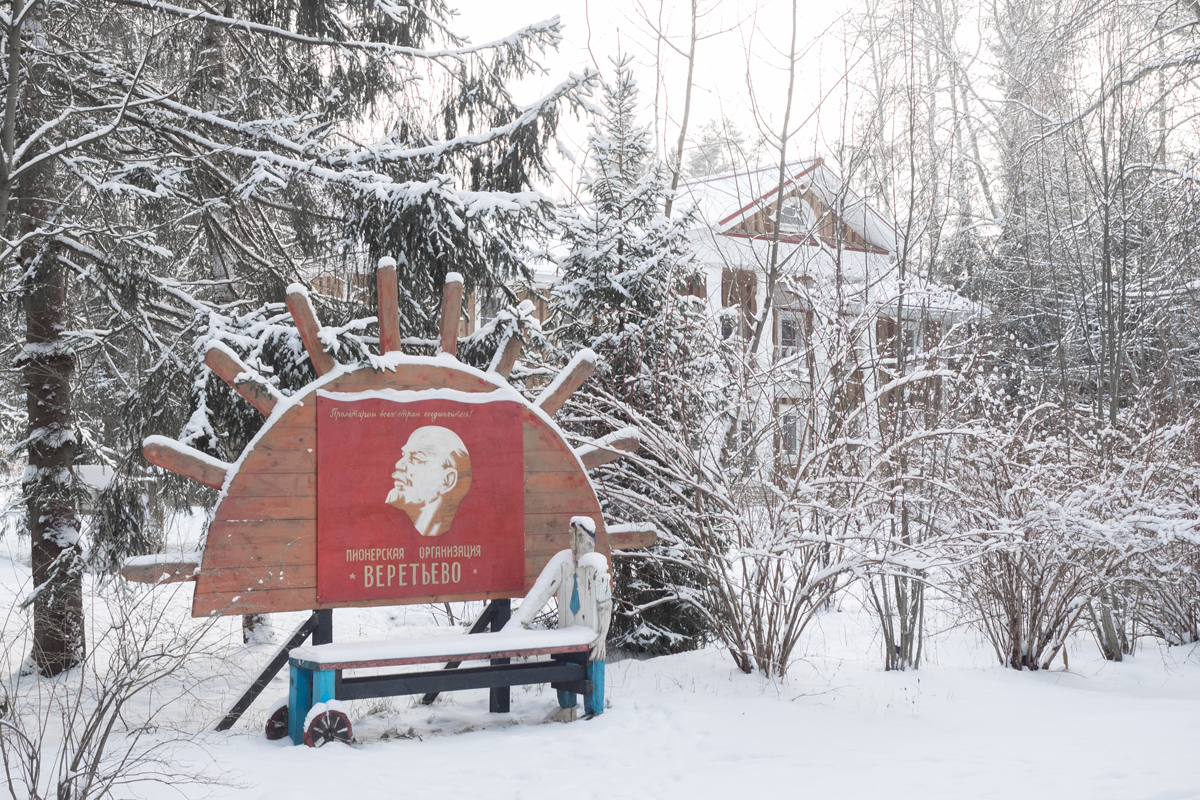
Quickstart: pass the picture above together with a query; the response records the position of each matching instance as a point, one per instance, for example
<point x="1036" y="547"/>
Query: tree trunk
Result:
<point x="53" y="527"/>
<point x="47" y="362"/>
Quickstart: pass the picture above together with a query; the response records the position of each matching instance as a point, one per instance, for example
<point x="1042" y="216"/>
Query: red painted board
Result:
<point x="418" y="496"/>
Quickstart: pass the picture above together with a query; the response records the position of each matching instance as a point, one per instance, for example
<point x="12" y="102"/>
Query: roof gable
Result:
<point x="743" y="203"/>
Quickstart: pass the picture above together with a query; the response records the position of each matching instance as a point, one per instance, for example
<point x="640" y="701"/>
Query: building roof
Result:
<point x="724" y="201"/>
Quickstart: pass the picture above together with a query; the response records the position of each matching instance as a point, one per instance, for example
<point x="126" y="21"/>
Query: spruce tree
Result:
<point x="623" y="291"/>
<point x="167" y="169"/>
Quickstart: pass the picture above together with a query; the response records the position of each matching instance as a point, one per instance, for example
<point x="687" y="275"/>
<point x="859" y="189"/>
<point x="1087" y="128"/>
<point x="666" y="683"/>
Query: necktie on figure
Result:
<point x="575" y="594"/>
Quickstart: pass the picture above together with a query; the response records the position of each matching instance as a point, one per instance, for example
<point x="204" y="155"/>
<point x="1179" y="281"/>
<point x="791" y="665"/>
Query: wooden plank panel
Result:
<point x="288" y="439"/>
<point x="277" y="600"/>
<point x="284" y="532"/>
<point x="570" y="502"/>
<point x="273" y="484"/>
<point x="267" y="460"/>
<point x="258" y="578"/>
<point x="258" y="508"/>
<point x="231" y="553"/>
<point x="551" y="461"/>
<point x="538" y="437"/>
<point x="411" y="377"/>
<point x="573" y="480"/>
<point x="259" y="602"/>
<point x="303" y="415"/>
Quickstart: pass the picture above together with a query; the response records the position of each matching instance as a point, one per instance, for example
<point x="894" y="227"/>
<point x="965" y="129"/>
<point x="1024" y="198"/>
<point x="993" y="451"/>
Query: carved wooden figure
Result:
<point x="579" y="578"/>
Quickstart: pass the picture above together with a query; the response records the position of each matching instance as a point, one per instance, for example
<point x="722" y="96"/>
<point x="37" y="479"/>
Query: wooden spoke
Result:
<point x="186" y="461"/>
<point x="631" y="537"/>
<point x="388" y="308"/>
<point x="309" y="328"/>
<point x="571" y="378"/>
<point x="249" y="384"/>
<point x="610" y="448"/>
<point x="452" y="295"/>
<point x="508" y="357"/>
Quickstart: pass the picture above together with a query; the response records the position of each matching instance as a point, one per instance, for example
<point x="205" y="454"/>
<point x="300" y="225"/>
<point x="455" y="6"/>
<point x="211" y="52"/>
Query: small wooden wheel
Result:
<point x="328" y="726"/>
<point x="277" y="723"/>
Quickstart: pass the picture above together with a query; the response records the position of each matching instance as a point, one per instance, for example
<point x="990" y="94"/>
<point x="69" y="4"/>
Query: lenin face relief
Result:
<point x="431" y="477"/>
<point x="420" y="493"/>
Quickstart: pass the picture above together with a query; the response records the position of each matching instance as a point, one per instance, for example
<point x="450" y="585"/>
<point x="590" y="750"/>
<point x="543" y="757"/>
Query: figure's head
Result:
<point x="435" y="466"/>
<point x="583" y="536"/>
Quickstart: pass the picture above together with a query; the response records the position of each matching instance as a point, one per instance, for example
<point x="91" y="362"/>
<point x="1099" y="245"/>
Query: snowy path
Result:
<point x="691" y="726"/>
<point x="686" y="726"/>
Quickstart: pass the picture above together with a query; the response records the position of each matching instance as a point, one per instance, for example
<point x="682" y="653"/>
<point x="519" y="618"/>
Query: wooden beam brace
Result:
<point x="308" y="326"/>
<point x="186" y="461"/>
<point x="564" y="385"/>
<point x="452" y="294"/>
<point x="388" y="309"/>
<point x="508" y="356"/>
<point x="152" y="569"/>
<point x="610" y="448"/>
<point x="226" y="365"/>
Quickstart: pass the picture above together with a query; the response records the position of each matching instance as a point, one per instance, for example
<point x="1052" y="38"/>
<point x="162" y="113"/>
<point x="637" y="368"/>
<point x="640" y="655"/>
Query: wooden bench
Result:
<point x="316" y="670"/>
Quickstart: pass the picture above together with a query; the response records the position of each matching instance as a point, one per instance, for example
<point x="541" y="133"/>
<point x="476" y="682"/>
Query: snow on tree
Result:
<point x="623" y="291"/>
<point x="169" y="168"/>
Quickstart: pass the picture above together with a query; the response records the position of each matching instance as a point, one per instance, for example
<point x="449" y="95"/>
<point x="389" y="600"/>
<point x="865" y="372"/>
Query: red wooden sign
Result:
<point x="419" y="493"/>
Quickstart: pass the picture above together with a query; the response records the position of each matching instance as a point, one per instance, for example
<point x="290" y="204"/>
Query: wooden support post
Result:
<point x="508" y="358"/>
<point x="593" y="701"/>
<point x="264" y="678"/>
<point x="498" y="702"/>
<point x="571" y="378"/>
<point x="481" y="625"/>
<point x="186" y="461"/>
<point x="324" y="630"/>
<point x="452" y="294"/>
<point x="300" y="691"/>
<point x="388" y="306"/>
<point x="249" y="384"/>
<point x="309" y="328"/>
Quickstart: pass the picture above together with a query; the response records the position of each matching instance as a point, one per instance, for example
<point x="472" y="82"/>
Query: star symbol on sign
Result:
<point x="351" y="576"/>
<point x="474" y="572"/>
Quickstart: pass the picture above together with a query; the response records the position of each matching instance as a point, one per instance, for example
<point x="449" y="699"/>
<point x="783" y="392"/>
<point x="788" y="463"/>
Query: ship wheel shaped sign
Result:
<point x="406" y="480"/>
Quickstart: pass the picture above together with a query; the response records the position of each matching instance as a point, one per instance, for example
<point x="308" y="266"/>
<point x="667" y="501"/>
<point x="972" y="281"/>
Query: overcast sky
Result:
<point x="746" y="37"/>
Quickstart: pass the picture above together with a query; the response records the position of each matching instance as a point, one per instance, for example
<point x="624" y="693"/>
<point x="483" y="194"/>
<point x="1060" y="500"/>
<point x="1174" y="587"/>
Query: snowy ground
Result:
<point x="692" y="726"/>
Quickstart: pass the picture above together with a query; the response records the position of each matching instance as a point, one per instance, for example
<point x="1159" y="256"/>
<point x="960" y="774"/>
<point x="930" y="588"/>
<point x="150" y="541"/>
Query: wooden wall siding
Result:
<point x="762" y="222"/>
<point x="260" y="554"/>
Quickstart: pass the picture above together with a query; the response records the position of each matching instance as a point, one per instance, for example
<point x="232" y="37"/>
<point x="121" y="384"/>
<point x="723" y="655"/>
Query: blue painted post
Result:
<point x="322" y="687"/>
<point x="300" y="693"/>
<point x="567" y="699"/>
<point x="594" y="703"/>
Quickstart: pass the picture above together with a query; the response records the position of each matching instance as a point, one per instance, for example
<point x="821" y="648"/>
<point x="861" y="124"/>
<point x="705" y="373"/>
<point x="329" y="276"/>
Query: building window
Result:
<point x="739" y="288"/>
<point x="746" y="444"/>
<point x="489" y="309"/>
<point x="797" y="217"/>
<point x="787" y="434"/>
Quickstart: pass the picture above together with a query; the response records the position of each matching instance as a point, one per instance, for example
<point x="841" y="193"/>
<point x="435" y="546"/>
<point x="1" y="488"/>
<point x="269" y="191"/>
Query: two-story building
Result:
<point x="840" y="317"/>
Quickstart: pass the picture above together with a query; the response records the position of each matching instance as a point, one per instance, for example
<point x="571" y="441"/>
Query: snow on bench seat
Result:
<point x="435" y="649"/>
